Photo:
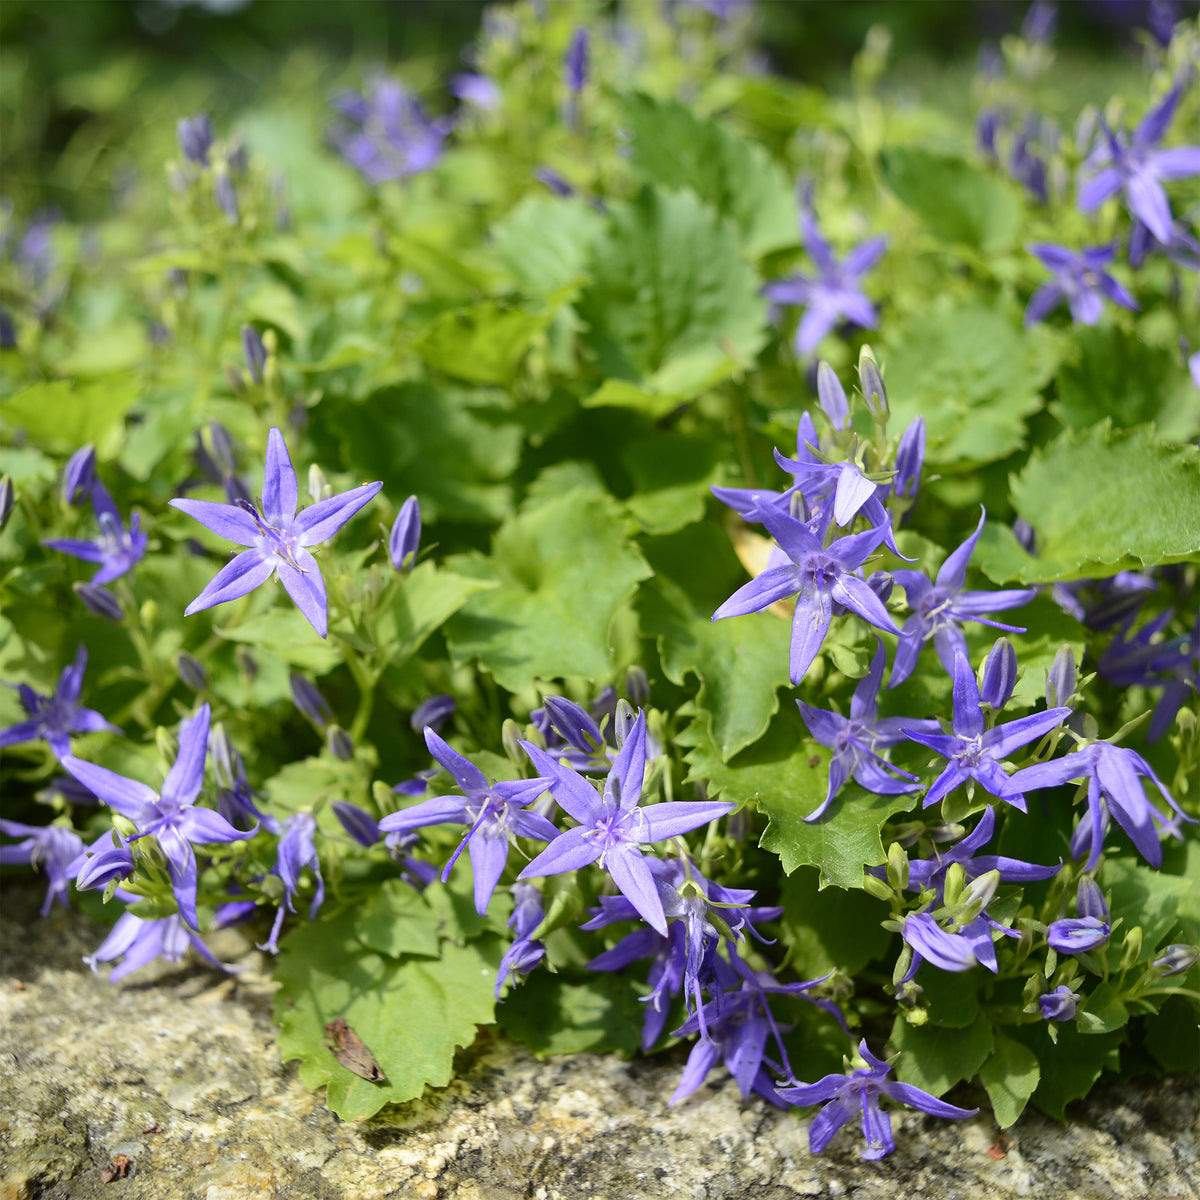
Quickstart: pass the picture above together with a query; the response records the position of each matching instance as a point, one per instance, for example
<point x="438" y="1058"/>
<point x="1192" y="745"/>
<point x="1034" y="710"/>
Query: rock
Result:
<point x="176" y="1069"/>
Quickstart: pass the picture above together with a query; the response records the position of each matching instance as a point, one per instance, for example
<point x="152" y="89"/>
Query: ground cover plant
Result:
<point x="634" y="549"/>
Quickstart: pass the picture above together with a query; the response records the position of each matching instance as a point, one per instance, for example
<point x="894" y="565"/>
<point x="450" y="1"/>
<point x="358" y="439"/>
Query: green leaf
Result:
<point x="411" y="1013"/>
<point x="561" y="1014"/>
<point x="742" y="662"/>
<point x="1100" y="502"/>
<point x="1146" y="897"/>
<point x="1172" y="1037"/>
<point x="934" y="1058"/>
<point x="829" y="928"/>
<point x="546" y="241"/>
<point x="1103" y="1011"/>
<point x="483" y="343"/>
<point x="453" y="447"/>
<point x="952" y="996"/>
<point x="1069" y="1066"/>
<point x="958" y="201"/>
<point x="674" y="147"/>
<point x="428" y="596"/>
<point x="1010" y="1075"/>
<point x="63" y="416"/>
<point x="973" y="374"/>
<point x="1121" y="378"/>
<point x="285" y="633"/>
<point x="671" y="475"/>
<point x="786" y="775"/>
<point x="396" y="920"/>
<point x="672" y="306"/>
<point x="562" y="569"/>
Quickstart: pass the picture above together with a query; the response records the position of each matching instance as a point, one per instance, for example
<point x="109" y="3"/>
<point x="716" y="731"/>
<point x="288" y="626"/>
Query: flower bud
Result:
<point x="319" y="488"/>
<point x="1060" y="679"/>
<point x="625" y="720"/>
<point x="195" y="138"/>
<point x="1025" y="535"/>
<point x="191" y="672"/>
<point x="1131" y="948"/>
<point x="340" y="743"/>
<point x="78" y="475"/>
<point x="575" y="65"/>
<point x="434" y="712"/>
<point x="910" y="459"/>
<point x="510" y="739"/>
<point x="360" y="825"/>
<point x="225" y="195"/>
<point x="955" y="882"/>
<point x="309" y="700"/>
<point x="871" y="381"/>
<point x="977" y="895"/>
<point x="405" y="539"/>
<point x="881" y="583"/>
<point x="897" y="867"/>
<point x="99" y="601"/>
<point x="164" y="739"/>
<point x="255" y="352"/>
<point x="637" y="686"/>
<point x="574" y="724"/>
<point x="878" y="888"/>
<point x="1059" y="1005"/>
<point x="247" y="664"/>
<point x="999" y="674"/>
<point x="1176" y="959"/>
<point x="1089" y="900"/>
<point x="832" y="397"/>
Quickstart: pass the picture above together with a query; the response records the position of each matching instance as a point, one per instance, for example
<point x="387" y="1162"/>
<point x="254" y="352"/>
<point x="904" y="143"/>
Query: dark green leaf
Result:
<point x="1069" y="1066"/>
<point x="555" y="1014"/>
<point x="829" y="928"/>
<point x="481" y="344"/>
<point x="1010" y="1075"/>
<point x="934" y="1058"/>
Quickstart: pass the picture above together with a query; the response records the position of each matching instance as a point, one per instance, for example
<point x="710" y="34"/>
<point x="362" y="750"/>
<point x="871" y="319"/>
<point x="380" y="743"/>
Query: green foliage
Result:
<point x="672" y="307"/>
<point x="675" y="148"/>
<point x="562" y="568"/>
<point x="1100" y="502"/>
<point x="567" y="1013"/>
<point x="958" y="202"/>
<point x="1011" y="1075"/>
<point x="411" y="1010"/>
<point x="824" y="928"/>
<point x="936" y="1058"/>
<point x="481" y="344"/>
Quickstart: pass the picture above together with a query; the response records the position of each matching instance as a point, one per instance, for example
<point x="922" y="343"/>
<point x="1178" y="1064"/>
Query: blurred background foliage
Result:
<point x="82" y="80"/>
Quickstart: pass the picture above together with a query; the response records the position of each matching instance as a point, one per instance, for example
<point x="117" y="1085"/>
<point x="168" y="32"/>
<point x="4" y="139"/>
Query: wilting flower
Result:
<point x="107" y="858"/>
<point x="1134" y="165"/>
<point x="55" y="718"/>
<point x="172" y="817"/>
<point x="975" y="752"/>
<point x="50" y="847"/>
<point x="525" y="953"/>
<point x="277" y="536"/>
<point x="386" y="133"/>
<point x="492" y="812"/>
<point x="297" y="850"/>
<point x="859" y="1091"/>
<point x="613" y="826"/>
<point x="139" y="942"/>
<point x="833" y="294"/>
<point x="1080" y="280"/>
<point x="117" y="550"/>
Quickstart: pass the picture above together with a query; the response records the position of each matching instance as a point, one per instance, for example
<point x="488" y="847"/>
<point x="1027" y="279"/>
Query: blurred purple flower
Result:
<point x="1080" y="280"/>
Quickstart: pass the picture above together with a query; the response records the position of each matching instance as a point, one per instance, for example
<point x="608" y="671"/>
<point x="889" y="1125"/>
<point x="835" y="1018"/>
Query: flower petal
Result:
<point x="237" y="578"/>
<point x="631" y="874"/>
<point x="321" y="521"/>
<point x="225" y="520"/>
<point x="130" y="798"/>
<point x="186" y="776"/>
<point x="280" y="493"/>
<point x="306" y="586"/>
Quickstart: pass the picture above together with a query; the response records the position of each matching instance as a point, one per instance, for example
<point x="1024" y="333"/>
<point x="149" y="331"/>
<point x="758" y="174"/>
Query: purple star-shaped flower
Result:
<point x="833" y="294"/>
<point x="822" y="575"/>
<point x="278" y="537"/>
<point x="857" y="740"/>
<point x="1114" y="788"/>
<point x="386" y="133"/>
<point x="55" y="718"/>
<point x="1135" y="166"/>
<point x="613" y="827"/>
<point x="860" y="1090"/>
<point x="117" y="549"/>
<point x="1080" y="279"/>
<point x="50" y="847"/>
<point x="940" y="606"/>
<point x="171" y="817"/>
<point x="492" y="810"/>
<point x="975" y="752"/>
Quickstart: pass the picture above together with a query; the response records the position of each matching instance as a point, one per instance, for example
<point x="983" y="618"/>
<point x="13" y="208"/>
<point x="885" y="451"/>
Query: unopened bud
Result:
<point x="871" y="381"/>
<point x="405" y="538"/>
<point x="977" y="895"/>
<point x="247" y="664"/>
<point x="340" y="743"/>
<point x="910" y="459"/>
<point x="1176" y="959"/>
<point x="999" y="675"/>
<point x="637" y="686"/>
<point x="1131" y="948"/>
<point x="434" y="712"/>
<point x="78" y="475"/>
<point x="1060" y="679"/>
<point x="625" y="720"/>
<point x="510" y="738"/>
<point x="195" y="138"/>
<point x="878" y="888"/>
<point x="319" y="488"/>
<point x="164" y="739"/>
<point x="897" y="867"/>
<point x="956" y="881"/>
<point x="225" y="195"/>
<point x="99" y="601"/>
<point x="191" y="672"/>
<point x="8" y="497"/>
<point x="148" y="614"/>
<point x="309" y="700"/>
<point x="832" y="397"/>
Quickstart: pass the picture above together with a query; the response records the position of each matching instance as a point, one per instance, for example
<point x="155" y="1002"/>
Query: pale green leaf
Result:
<point x="1010" y="1075"/>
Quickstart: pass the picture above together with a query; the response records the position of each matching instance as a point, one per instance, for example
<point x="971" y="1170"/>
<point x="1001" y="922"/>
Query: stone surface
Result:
<point x="176" y="1069"/>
